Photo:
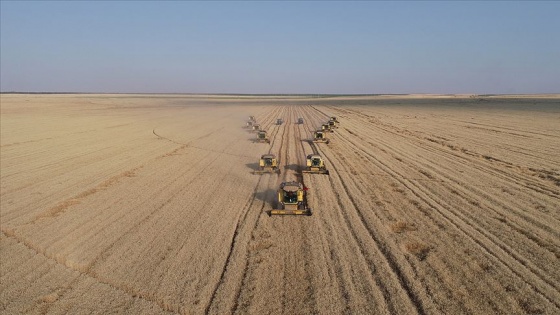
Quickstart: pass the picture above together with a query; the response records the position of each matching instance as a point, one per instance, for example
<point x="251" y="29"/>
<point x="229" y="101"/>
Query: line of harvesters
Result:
<point x="292" y="196"/>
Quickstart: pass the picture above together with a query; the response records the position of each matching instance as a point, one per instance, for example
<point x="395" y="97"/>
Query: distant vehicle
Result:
<point x="315" y="165"/>
<point x="320" y="137"/>
<point x="268" y="164"/>
<point x="262" y="136"/>
<point x="300" y="120"/>
<point x="279" y="121"/>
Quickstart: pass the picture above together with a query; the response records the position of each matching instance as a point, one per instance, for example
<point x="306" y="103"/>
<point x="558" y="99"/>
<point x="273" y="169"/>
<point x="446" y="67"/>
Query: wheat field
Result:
<point x="146" y="204"/>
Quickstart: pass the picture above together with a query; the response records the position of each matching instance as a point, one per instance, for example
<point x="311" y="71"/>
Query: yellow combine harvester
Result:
<point x="292" y="199"/>
<point x="252" y="118"/>
<point x="262" y="137"/>
<point x="250" y="124"/>
<point x="268" y="164"/>
<point x="320" y="137"/>
<point x="315" y="165"/>
<point x="326" y="128"/>
<point x="332" y="124"/>
<point x="335" y="119"/>
<point x="256" y="127"/>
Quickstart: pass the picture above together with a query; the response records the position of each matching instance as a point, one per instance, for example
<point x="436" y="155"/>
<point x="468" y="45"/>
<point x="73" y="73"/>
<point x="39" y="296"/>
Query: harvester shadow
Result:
<point x="268" y="196"/>
<point x="253" y="166"/>
<point x="292" y="167"/>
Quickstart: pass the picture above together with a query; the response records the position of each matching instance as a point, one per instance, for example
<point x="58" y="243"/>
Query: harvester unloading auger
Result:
<point x="292" y="200"/>
<point x="315" y="165"/>
<point x="268" y="164"/>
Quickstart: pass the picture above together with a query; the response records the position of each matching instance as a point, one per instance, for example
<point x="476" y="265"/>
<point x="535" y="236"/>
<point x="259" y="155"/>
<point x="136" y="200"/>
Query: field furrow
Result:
<point x="148" y="204"/>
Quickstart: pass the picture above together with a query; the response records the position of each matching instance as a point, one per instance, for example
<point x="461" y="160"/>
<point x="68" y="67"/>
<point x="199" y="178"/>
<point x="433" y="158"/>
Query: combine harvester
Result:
<point x="262" y="137"/>
<point x="315" y="165"/>
<point x="332" y="124"/>
<point x="251" y="122"/>
<point x="268" y="164"/>
<point x="279" y="121"/>
<point x="292" y="200"/>
<point x="300" y="121"/>
<point x="255" y="128"/>
<point x="320" y="137"/>
<point x="326" y="128"/>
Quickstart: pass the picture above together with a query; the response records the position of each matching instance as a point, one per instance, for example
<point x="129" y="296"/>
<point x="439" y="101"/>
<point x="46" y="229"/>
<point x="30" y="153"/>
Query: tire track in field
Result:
<point x="247" y="261"/>
<point x="464" y="225"/>
<point x="336" y="269"/>
<point x="461" y="152"/>
<point x="444" y="172"/>
<point x="123" y="290"/>
<point x="234" y="239"/>
<point x="386" y="295"/>
<point x="89" y="269"/>
<point x="468" y="191"/>
<point x="480" y="192"/>
<point x="284" y="278"/>
<point x="241" y="243"/>
<point x="389" y="258"/>
<point x="389" y="249"/>
<point x="297" y="168"/>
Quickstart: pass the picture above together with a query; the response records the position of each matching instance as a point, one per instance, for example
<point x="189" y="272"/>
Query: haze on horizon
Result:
<point x="280" y="47"/>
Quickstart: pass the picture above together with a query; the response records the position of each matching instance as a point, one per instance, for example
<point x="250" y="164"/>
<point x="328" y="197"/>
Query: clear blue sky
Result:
<point x="281" y="47"/>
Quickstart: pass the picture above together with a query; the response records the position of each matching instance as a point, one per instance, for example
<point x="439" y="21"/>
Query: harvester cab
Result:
<point x="315" y="165"/>
<point x="319" y="136"/>
<point x="268" y="164"/>
<point x="300" y="120"/>
<point x="292" y="199"/>
<point x="262" y="137"/>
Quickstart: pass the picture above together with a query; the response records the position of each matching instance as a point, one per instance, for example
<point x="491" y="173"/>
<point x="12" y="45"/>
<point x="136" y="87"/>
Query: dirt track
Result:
<point x="147" y="204"/>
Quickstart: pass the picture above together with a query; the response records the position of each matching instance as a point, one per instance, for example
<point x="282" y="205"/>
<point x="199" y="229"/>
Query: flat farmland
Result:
<point x="146" y="204"/>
